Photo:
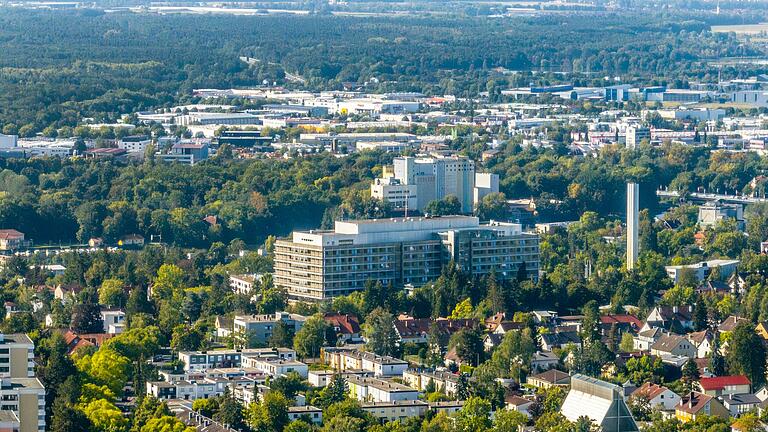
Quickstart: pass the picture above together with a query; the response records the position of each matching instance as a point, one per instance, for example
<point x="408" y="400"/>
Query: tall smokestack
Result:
<point x="633" y="209"/>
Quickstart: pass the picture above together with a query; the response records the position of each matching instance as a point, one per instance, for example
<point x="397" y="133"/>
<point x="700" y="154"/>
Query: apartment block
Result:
<point x="317" y="265"/>
<point x="379" y="390"/>
<point x="259" y="328"/>
<point x="414" y="182"/>
<point x="17" y="356"/>
<point x="350" y="359"/>
<point x="204" y="360"/>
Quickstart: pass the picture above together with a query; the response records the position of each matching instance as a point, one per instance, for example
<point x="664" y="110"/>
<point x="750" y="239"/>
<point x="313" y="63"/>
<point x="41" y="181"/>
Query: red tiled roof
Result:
<point x="718" y="383"/>
<point x="621" y="319"/>
<point x="10" y="234"/>
<point x="347" y="324"/>
<point x="649" y="390"/>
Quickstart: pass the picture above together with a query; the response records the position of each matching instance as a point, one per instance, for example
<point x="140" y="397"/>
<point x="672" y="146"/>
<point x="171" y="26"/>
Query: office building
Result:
<point x="633" y="214"/>
<point x="635" y="135"/>
<point x="426" y="179"/>
<point x="188" y="153"/>
<point x="245" y="139"/>
<point x="601" y="402"/>
<point x="701" y="270"/>
<point x="134" y="144"/>
<point x="317" y="265"/>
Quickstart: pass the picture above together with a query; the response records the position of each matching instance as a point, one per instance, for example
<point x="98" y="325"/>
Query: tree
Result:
<point x="289" y="385"/>
<point x="169" y="279"/>
<point x="508" y="421"/>
<point x="86" y="318"/>
<point x="230" y="412"/>
<point x="282" y="336"/>
<point x="627" y="343"/>
<point x="207" y="407"/>
<point x="700" y="320"/>
<point x="450" y="205"/>
<point x="335" y="391"/>
<point x="462" y="387"/>
<point x="716" y="360"/>
<point x="166" y="423"/>
<point x="271" y="415"/>
<point x="310" y="338"/>
<point x="462" y="310"/>
<point x="111" y="293"/>
<point x="298" y="426"/>
<point x="138" y="303"/>
<point x="105" y="416"/>
<point x="186" y="338"/>
<point x="68" y="419"/>
<point x="474" y="416"/>
<point x="468" y="345"/>
<point x="690" y="375"/>
<point x="344" y="424"/>
<point x="746" y="354"/>
<point x="105" y="367"/>
<point x="381" y="334"/>
<point x="590" y="324"/>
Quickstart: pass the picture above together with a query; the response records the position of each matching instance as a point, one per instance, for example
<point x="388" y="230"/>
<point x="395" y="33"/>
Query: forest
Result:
<point x="92" y="64"/>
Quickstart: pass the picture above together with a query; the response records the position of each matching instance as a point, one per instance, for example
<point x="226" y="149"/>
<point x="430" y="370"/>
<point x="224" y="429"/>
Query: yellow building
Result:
<point x="696" y="404"/>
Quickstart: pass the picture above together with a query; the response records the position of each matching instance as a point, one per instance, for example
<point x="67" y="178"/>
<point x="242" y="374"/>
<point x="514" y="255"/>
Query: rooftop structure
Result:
<point x="602" y="402"/>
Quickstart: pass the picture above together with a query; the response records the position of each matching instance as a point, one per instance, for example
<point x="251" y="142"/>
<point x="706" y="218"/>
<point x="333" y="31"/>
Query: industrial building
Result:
<point x="317" y="265"/>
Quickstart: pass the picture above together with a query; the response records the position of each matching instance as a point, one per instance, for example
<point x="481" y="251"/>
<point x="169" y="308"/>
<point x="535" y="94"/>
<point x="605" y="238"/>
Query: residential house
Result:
<point x="113" y="320"/>
<point x="738" y="404"/>
<point x="674" y="318"/>
<point x="313" y="413"/>
<point x="550" y="378"/>
<point x="702" y="341"/>
<point x="11" y="240"/>
<point x="673" y="345"/>
<point x="416" y="330"/>
<point x="259" y="328"/>
<point x="762" y="330"/>
<point x="519" y="404"/>
<point x="491" y="341"/>
<point x="623" y="323"/>
<point x="275" y="367"/>
<point x="544" y="360"/>
<point x="657" y="396"/>
<point x="131" y="241"/>
<point x="67" y="293"/>
<point x="346" y="326"/>
<point x="725" y="385"/>
<point x="243" y="284"/>
<point x="729" y="324"/>
<point x="646" y="338"/>
<point x="550" y="341"/>
<point x="695" y="404"/>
